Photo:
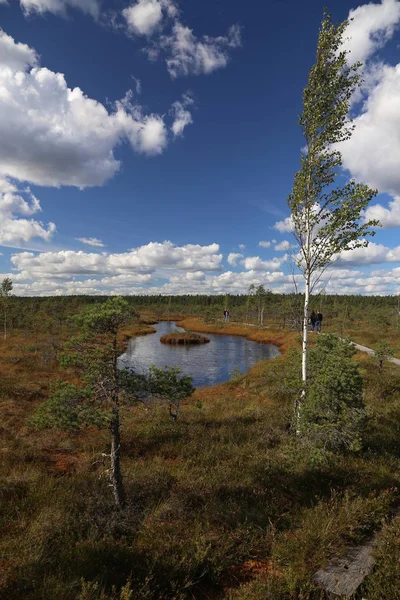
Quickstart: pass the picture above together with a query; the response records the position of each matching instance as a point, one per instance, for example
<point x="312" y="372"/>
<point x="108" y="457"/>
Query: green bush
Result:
<point x="333" y="413"/>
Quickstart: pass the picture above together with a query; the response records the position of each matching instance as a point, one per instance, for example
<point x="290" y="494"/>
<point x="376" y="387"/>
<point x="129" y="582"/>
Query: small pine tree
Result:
<point x="5" y="292"/>
<point x="333" y="411"/>
<point x="383" y="353"/>
<point x="169" y="386"/>
<point x="97" y="400"/>
<point x="104" y="388"/>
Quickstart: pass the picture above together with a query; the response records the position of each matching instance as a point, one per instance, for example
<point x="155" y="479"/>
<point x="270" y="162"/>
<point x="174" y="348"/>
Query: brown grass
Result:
<point x="224" y="504"/>
<point x="372" y="337"/>
<point x="283" y="339"/>
<point x="133" y="330"/>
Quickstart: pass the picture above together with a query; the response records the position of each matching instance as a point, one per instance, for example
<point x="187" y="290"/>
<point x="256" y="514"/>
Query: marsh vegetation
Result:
<point x="222" y="502"/>
<point x="185" y="338"/>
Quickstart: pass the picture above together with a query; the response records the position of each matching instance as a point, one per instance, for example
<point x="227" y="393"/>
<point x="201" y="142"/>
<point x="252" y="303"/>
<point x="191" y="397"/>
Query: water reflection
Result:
<point x="208" y="364"/>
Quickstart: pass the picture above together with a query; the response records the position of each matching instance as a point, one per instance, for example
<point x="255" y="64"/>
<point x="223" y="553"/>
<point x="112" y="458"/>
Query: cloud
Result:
<point x="182" y="117"/>
<point x="372" y="154"/>
<point x="195" y="276"/>
<point x="388" y="217"/>
<point x="15" y="228"/>
<point x="372" y="25"/>
<point x="284" y="246"/>
<point x="265" y="244"/>
<point x="15" y="56"/>
<point x="146" y="133"/>
<point x="53" y="135"/>
<point x="91" y="242"/>
<point x="124" y="280"/>
<point x="91" y="7"/>
<point x="192" y="277"/>
<point x="234" y="257"/>
<point x="240" y="282"/>
<point x="255" y="263"/>
<point x="242" y="246"/>
<point x="169" y="269"/>
<point x="138" y="85"/>
<point x="285" y="226"/>
<point x="145" y="259"/>
<point x="7" y="186"/>
<point x="372" y="254"/>
<point x="185" y="54"/>
<point x="146" y="16"/>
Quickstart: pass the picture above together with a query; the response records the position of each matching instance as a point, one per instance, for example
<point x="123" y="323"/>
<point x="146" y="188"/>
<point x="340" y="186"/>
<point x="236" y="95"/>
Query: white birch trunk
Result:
<point x="304" y="354"/>
<point x="305" y="327"/>
<point x="305" y="331"/>
<point x="115" y="455"/>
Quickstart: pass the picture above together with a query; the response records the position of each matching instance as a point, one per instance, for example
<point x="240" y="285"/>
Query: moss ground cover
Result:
<point x="221" y="504"/>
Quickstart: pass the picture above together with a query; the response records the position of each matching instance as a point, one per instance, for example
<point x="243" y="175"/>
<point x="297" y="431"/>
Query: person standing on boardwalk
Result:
<point x="318" y="322"/>
<point x="227" y="315"/>
<point x="313" y="319"/>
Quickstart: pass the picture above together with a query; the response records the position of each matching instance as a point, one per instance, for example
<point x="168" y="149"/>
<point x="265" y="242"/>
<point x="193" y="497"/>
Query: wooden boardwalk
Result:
<point x="395" y="361"/>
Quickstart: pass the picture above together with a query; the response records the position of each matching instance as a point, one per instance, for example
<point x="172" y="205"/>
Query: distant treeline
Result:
<point x="260" y="307"/>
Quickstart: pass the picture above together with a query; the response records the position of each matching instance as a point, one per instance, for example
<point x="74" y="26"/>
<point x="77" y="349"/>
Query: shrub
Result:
<point x="333" y="411"/>
<point x="383" y="353"/>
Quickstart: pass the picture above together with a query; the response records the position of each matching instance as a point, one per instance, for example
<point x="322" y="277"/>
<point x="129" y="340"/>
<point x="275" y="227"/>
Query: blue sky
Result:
<point x="150" y="145"/>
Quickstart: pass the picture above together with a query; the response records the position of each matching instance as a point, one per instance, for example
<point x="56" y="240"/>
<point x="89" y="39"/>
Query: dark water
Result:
<point x="208" y="364"/>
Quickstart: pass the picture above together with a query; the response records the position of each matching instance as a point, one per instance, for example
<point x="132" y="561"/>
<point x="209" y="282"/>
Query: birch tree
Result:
<point x="5" y="292"/>
<point x="327" y="219"/>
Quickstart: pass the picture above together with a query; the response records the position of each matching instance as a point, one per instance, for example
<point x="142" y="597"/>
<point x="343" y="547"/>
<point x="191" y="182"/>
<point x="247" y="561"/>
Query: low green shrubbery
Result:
<point x="223" y="503"/>
<point x="332" y="413"/>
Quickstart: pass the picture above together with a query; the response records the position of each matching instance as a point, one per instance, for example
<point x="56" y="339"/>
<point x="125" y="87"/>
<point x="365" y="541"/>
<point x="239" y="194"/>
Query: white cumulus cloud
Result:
<point x="255" y="263"/>
<point x="15" y="56"/>
<point x="145" y="259"/>
<point x="234" y="257"/>
<point x="53" y="135"/>
<point x="284" y="246"/>
<point x="146" y="16"/>
<point x="371" y="26"/>
<point x="372" y="254"/>
<point x="388" y="217"/>
<point x="195" y="276"/>
<point x="372" y="154"/>
<point x="285" y="226"/>
<point x="15" y="228"/>
<point x="187" y="270"/>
